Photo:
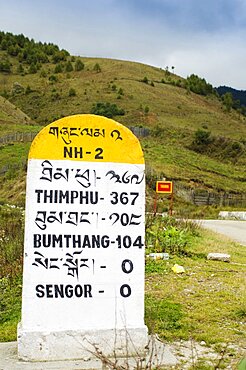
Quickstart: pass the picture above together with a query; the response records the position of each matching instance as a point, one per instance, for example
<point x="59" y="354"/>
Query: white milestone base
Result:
<point x="84" y="259"/>
<point x="71" y="345"/>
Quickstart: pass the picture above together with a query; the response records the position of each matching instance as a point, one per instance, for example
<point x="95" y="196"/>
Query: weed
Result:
<point x="11" y="241"/>
<point x="166" y="234"/>
<point x="10" y="307"/>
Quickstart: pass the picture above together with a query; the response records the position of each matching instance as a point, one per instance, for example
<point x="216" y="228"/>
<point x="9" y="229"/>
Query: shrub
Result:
<point x="20" y="69"/>
<point x="58" y="68"/>
<point x="145" y="80"/>
<point x="107" y="110"/>
<point x="199" y="85"/>
<point x="166" y="234"/>
<point x="33" y="68"/>
<point x="79" y="65"/>
<point x="5" y="66"/>
<point x="43" y="73"/>
<point x="97" y="68"/>
<point x="28" y="90"/>
<point x="227" y="100"/>
<point x="69" y="67"/>
<point x="146" y="109"/>
<point x="53" y="78"/>
<point x="17" y="88"/>
<point x="202" y="137"/>
<point x="72" y="92"/>
<point x="11" y="239"/>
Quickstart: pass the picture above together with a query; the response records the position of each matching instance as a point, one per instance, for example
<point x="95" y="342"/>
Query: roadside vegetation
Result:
<point x="195" y="137"/>
<point x="204" y="304"/>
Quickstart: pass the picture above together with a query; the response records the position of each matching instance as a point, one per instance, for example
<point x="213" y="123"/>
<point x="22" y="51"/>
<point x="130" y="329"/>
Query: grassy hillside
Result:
<point x="11" y="117"/>
<point x="147" y="97"/>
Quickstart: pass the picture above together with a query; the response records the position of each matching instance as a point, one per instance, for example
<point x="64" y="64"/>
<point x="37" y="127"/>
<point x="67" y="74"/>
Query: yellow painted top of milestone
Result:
<point x="88" y="138"/>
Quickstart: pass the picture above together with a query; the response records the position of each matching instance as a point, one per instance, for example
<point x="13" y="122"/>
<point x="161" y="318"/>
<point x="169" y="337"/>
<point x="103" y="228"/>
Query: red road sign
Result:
<point x="164" y="187"/>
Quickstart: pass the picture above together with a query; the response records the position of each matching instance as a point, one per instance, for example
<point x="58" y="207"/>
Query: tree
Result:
<point x="97" y="68"/>
<point x="198" y="85"/>
<point x="227" y="101"/>
<point x="167" y="73"/>
<point x="58" y="68"/>
<point x="69" y="67"/>
<point x="79" y="65"/>
<point x="5" y="66"/>
<point x="59" y="56"/>
<point x="20" y="69"/>
<point x="107" y="110"/>
<point x="33" y="68"/>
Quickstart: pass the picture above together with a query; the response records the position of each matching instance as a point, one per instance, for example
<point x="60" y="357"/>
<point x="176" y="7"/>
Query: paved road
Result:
<point x="235" y="230"/>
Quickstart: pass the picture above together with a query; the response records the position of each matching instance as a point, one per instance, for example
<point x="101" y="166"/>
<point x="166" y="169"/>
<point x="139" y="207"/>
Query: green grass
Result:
<point x="180" y="164"/>
<point x="173" y="116"/>
<point x="10" y="307"/>
<point x="210" y="296"/>
<point x="11" y="250"/>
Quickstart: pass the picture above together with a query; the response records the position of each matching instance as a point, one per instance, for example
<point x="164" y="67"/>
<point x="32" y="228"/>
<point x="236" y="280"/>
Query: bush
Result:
<point x="33" y="68"/>
<point x="166" y="234"/>
<point x="20" y="69"/>
<point x="199" y="85"/>
<point x="145" y="80"/>
<point x="107" y="110"/>
<point x="17" y="88"/>
<point x="146" y="109"/>
<point x="79" y="65"/>
<point x="11" y="239"/>
<point x="69" y="67"/>
<point x="28" y="90"/>
<point x="43" y="73"/>
<point x="72" y="92"/>
<point x="202" y="137"/>
<point x="5" y="66"/>
<point x="58" y="68"/>
<point x="97" y="68"/>
<point x="53" y="78"/>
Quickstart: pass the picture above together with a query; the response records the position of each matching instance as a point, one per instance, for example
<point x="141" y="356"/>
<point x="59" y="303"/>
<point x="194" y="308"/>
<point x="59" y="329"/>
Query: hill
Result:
<point x="11" y="116"/>
<point x="239" y="96"/>
<point x="192" y="139"/>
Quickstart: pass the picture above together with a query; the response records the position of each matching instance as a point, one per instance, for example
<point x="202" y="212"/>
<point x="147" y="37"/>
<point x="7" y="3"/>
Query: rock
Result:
<point x="178" y="269"/>
<point x="233" y="215"/>
<point x="158" y="256"/>
<point x="219" y="257"/>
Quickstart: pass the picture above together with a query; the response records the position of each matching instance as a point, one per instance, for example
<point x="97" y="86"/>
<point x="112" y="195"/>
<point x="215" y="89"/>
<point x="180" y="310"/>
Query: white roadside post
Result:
<point x="83" y="279"/>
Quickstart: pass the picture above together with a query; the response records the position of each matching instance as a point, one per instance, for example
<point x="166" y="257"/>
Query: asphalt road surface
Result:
<point x="236" y="230"/>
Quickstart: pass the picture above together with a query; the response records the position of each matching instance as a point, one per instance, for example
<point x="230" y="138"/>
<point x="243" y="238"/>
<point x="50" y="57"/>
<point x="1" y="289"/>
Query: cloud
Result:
<point x="220" y="60"/>
<point x="205" y="38"/>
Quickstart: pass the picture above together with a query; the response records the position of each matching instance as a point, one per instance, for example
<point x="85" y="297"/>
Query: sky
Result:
<point x="206" y="38"/>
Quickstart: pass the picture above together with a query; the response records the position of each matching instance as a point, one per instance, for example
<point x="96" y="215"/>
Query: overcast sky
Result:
<point x="195" y="36"/>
